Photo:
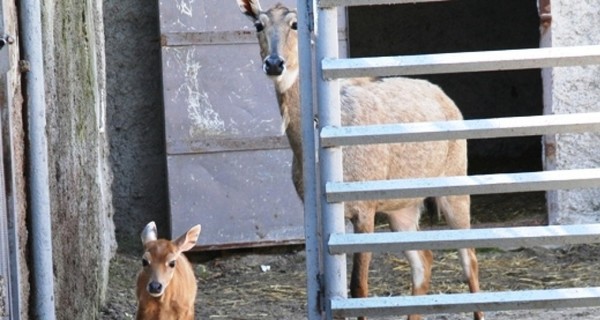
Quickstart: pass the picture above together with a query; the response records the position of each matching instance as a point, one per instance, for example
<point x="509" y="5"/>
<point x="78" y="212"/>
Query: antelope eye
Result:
<point x="172" y="264"/>
<point x="259" y="26"/>
<point x="294" y="25"/>
<point x="145" y="263"/>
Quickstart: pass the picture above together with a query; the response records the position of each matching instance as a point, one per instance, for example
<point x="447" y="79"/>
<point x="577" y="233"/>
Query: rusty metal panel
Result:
<point x="229" y="162"/>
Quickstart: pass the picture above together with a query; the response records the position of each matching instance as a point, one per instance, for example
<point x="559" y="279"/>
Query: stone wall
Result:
<point x="135" y="119"/>
<point x="80" y="176"/>
<point x="571" y="90"/>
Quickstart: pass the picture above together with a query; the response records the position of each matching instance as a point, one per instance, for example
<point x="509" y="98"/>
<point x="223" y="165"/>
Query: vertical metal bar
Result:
<point x="311" y="220"/>
<point x="332" y="214"/>
<point x="6" y="279"/>
<point x="39" y="191"/>
<point x="10" y="204"/>
<point x="5" y="255"/>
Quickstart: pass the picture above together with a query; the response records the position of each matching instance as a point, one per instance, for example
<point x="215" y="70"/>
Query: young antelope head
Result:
<point x="161" y="257"/>
<point x="278" y="40"/>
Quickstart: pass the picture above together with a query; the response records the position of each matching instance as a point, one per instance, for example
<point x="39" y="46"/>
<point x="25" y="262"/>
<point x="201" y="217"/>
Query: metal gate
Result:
<point x="327" y="297"/>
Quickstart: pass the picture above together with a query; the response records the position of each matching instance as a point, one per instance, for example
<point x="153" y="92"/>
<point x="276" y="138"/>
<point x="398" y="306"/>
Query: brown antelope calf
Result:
<point x="166" y="286"/>
<point x="373" y="101"/>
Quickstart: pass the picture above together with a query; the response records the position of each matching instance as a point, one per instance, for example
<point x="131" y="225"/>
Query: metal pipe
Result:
<point x="39" y="192"/>
<point x="332" y="214"/>
<point x="311" y="217"/>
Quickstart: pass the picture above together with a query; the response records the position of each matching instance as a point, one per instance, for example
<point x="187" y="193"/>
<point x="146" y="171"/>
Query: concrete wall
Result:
<point x="135" y="119"/>
<point x="570" y="90"/>
<point x="80" y="176"/>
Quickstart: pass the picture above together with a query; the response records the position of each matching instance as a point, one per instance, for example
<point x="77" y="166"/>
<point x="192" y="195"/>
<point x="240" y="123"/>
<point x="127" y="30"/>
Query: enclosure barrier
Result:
<point x="328" y="67"/>
<point x="465" y="302"/>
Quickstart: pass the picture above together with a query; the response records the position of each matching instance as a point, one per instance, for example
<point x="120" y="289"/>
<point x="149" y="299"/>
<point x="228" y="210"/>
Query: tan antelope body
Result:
<point x="166" y="286"/>
<point x="373" y="101"/>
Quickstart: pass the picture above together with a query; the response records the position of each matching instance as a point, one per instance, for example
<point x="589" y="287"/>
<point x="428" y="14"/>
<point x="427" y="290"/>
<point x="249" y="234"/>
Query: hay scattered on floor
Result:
<point x="524" y="269"/>
<point x="235" y="288"/>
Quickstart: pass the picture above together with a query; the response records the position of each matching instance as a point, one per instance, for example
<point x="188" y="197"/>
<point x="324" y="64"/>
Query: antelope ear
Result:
<point x="149" y="233"/>
<point x="251" y="8"/>
<point x="188" y="240"/>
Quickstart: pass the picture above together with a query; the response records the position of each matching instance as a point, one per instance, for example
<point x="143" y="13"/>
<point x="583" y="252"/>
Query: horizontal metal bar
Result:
<point x="467" y="302"/>
<point x="178" y="39"/>
<point x="225" y="144"/>
<point x="467" y="129"/>
<point x="475" y="184"/>
<point x="514" y="237"/>
<point x="203" y="38"/>
<point x="461" y="62"/>
<point x="350" y="3"/>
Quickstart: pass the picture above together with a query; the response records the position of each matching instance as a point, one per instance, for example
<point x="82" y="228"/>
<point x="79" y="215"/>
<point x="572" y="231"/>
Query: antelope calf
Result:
<point x="166" y="285"/>
<point x="373" y="101"/>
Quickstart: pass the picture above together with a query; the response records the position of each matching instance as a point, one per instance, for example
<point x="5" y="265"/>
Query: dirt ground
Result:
<point x="270" y="283"/>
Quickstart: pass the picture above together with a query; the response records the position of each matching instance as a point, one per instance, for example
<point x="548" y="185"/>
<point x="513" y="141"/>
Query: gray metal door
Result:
<point x="229" y="163"/>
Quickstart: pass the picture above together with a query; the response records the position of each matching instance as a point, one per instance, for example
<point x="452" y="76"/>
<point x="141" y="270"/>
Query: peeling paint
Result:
<point x="205" y="120"/>
<point x="185" y="7"/>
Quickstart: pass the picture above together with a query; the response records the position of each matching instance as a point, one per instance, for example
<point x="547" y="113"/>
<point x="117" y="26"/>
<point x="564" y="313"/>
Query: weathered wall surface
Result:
<point x="570" y="90"/>
<point x="13" y="156"/>
<point x="135" y="118"/>
<point x="80" y="177"/>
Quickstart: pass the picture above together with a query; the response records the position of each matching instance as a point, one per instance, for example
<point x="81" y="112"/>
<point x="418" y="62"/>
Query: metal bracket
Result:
<point x="6" y="39"/>
<point x="4" y="63"/>
<point x="545" y="12"/>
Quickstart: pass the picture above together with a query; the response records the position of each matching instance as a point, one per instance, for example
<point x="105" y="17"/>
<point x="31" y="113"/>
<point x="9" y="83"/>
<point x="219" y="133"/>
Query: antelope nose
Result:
<point x="154" y="287"/>
<point x="274" y="65"/>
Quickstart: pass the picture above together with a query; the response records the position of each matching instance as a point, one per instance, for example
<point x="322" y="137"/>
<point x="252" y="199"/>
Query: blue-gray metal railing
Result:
<point x="332" y="189"/>
<point x="312" y="242"/>
<point x="332" y="214"/>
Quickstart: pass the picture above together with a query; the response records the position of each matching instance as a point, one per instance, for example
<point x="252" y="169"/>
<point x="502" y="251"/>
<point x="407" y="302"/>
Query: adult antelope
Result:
<point x="166" y="285"/>
<point x="373" y="101"/>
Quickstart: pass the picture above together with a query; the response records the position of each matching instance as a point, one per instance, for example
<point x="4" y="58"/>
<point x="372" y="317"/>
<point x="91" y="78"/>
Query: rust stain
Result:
<point x="545" y="14"/>
<point x="550" y="150"/>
